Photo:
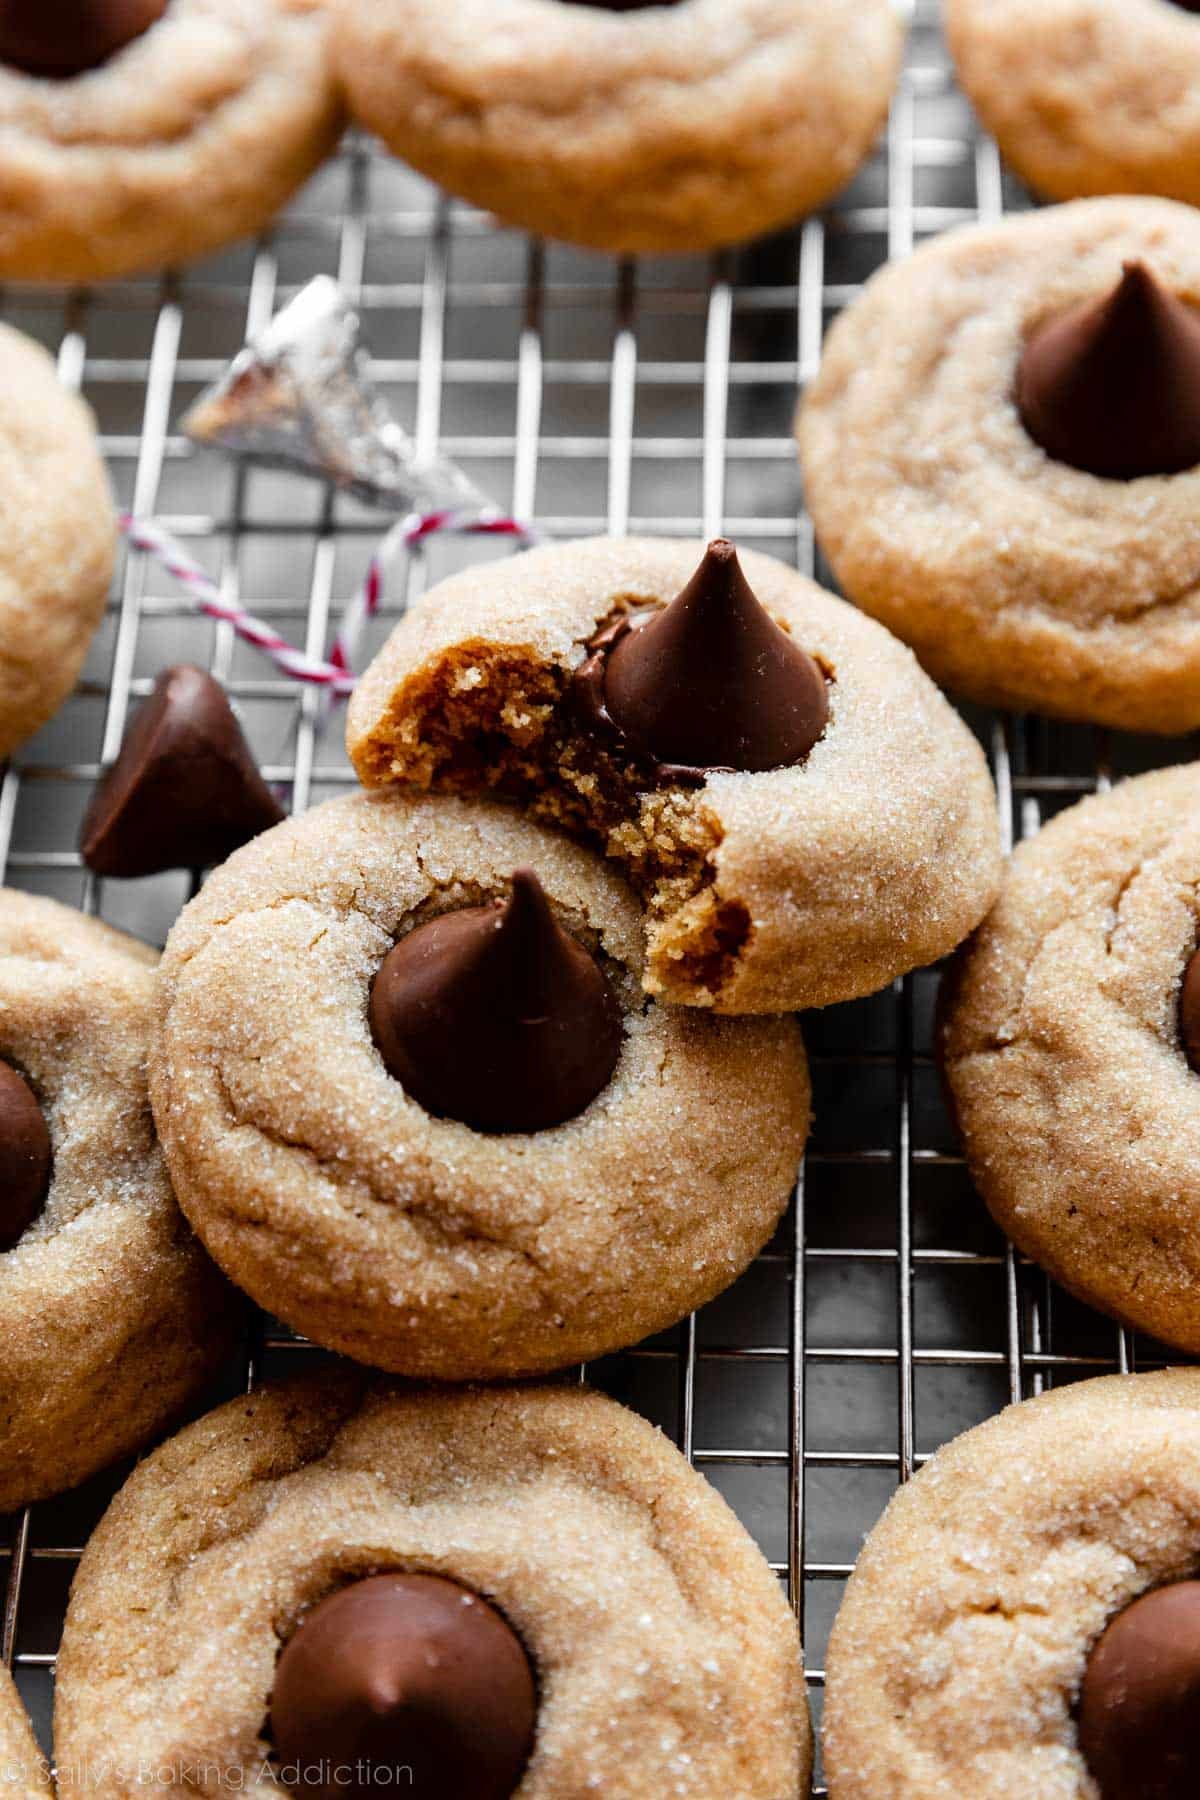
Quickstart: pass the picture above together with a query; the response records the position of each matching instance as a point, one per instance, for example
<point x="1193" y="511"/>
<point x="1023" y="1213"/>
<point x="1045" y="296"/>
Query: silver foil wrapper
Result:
<point x="299" y="397"/>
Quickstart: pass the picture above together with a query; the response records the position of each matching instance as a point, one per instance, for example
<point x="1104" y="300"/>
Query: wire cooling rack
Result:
<point x="888" y="1315"/>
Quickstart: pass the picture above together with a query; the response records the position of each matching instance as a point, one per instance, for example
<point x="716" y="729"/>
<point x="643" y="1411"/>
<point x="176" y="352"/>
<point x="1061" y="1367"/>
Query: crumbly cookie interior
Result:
<point x="488" y="717"/>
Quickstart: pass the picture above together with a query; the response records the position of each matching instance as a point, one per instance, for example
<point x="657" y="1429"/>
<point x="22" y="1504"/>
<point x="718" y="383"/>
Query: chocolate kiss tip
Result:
<point x="1140" y="1696"/>
<point x="1112" y="386"/>
<point x="712" y="682"/>
<point x="185" y="790"/>
<point x="1189" y="1012"/>
<point x="25" y="1156"/>
<point x="62" y="38"/>
<point x="497" y="1017"/>
<point x="404" y="1672"/>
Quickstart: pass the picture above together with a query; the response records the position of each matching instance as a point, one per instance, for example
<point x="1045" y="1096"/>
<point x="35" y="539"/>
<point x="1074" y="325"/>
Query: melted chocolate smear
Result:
<point x="496" y="1016"/>
<point x="25" y="1157"/>
<point x="1189" y="1008"/>
<point x="413" y="1684"/>
<point x="1112" y="386"/>
<point x="711" y="682"/>
<point x="1139" y="1706"/>
<point x="61" y="38"/>
<point x="185" y="790"/>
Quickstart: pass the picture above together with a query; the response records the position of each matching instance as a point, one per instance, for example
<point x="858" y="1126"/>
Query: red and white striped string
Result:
<point x="337" y="674"/>
<point x="407" y="535"/>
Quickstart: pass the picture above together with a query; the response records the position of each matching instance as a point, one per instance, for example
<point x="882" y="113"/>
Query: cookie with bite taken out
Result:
<point x="801" y="812"/>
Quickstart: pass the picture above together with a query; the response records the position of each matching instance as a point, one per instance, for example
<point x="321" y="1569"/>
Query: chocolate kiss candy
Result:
<point x="496" y="1016"/>
<point x="1112" y="386"/>
<point x="185" y="790"/>
<point x="24" y="1156"/>
<point x="712" y="682"/>
<point x="65" y="37"/>
<point x="404" y="1673"/>
<point x="1139" y="1706"/>
<point x="1189" y="1004"/>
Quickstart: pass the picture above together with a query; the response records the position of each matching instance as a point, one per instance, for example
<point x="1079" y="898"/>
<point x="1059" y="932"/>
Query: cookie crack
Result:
<point x="1013" y="1036"/>
<point x="436" y="1232"/>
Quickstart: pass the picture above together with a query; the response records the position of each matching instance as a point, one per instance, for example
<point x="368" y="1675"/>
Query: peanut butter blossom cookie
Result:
<point x="1071" y="1045"/>
<point x="1025" y="1618"/>
<point x="135" y="133"/>
<point x="111" y="1316"/>
<point x="336" y="1587"/>
<point x="59" y="541"/>
<point x="1002" y="459"/>
<point x="675" y="126"/>
<point x="1087" y="96"/>
<point x="802" y="813"/>
<point x="415" y="1102"/>
<point x="24" y="1771"/>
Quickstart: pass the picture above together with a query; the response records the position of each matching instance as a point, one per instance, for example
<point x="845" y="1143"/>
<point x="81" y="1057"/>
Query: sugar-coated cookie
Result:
<point x="1000" y="457"/>
<point x="140" y="133"/>
<point x="24" y="1771"/>
<point x="111" y="1316"/>
<point x="1024" y="1618"/>
<point x="59" y="539"/>
<point x="665" y="127"/>
<point x="664" y="1659"/>
<point x="1086" y="96"/>
<point x="1065" y="1044"/>
<point x="803" y="814"/>
<point x="423" y="1112"/>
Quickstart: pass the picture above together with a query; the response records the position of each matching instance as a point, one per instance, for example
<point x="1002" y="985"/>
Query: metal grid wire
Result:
<point x="888" y="1314"/>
